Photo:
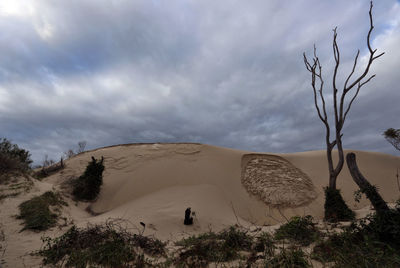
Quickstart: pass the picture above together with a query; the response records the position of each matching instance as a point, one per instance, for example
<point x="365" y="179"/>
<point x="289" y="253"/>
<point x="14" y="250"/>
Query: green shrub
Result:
<point x="214" y="247"/>
<point x="288" y="258"/>
<point x="12" y="159"/>
<point x="106" y="245"/>
<point x="371" y="242"/>
<point x="350" y="249"/>
<point x="36" y="212"/>
<point x="87" y="186"/>
<point x="335" y="207"/>
<point x="300" y="230"/>
<point x="264" y="243"/>
<point x="383" y="227"/>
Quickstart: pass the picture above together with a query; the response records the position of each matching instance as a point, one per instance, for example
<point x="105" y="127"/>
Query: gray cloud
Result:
<point x="227" y="73"/>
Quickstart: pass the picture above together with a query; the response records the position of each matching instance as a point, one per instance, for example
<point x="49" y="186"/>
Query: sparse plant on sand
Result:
<point x="87" y="186"/>
<point x="37" y="213"/>
<point x="213" y="247"/>
<point x="341" y="106"/>
<point x="107" y="245"/>
<point x="371" y="242"/>
<point x="288" y="258"/>
<point x="299" y="230"/>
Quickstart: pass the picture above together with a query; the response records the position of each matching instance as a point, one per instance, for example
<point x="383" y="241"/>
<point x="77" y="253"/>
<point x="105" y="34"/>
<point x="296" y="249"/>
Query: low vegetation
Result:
<point x="289" y="258"/>
<point x="40" y="212"/>
<point x="14" y="161"/>
<point x="107" y="245"/>
<point x="214" y="247"/>
<point x="299" y="230"/>
<point x="87" y="186"/>
<point x="49" y="168"/>
<point x="370" y="242"/>
<point x="363" y="244"/>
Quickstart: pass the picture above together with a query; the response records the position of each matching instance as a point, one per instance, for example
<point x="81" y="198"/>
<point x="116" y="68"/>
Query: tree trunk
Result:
<point x="365" y="187"/>
<point x="332" y="181"/>
<point x="332" y="175"/>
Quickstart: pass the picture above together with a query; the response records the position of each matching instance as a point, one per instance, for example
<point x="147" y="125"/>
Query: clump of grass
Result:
<point x="87" y="186"/>
<point x="214" y="247"/>
<point x="335" y="208"/>
<point x="106" y="245"/>
<point x="299" y="230"/>
<point x="288" y="258"/>
<point x="265" y="243"/>
<point x="36" y="212"/>
<point x="15" y="187"/>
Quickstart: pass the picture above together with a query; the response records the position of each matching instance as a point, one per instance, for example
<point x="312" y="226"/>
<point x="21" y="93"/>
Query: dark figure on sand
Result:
<point x="188" y="219"/>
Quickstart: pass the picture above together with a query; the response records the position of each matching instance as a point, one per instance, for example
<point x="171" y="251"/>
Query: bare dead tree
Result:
<point x="81" y="147"/>
<point x="341" y="106"/>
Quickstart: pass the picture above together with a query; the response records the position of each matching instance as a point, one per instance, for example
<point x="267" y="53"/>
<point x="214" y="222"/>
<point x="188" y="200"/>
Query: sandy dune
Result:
<point x="155" y="183"/>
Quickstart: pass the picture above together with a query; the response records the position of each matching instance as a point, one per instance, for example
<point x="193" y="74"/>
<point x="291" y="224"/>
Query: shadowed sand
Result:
<point x="155" y="183"/>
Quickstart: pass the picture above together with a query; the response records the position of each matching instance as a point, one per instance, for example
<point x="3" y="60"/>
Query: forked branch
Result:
<point x="359" y="80"/>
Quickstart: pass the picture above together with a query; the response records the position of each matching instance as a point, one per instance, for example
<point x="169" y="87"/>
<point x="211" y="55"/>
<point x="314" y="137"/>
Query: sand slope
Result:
<point x="155" y="183"/>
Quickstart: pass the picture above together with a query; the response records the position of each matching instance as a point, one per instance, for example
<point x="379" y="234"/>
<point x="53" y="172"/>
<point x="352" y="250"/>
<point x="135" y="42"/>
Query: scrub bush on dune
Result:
<point x="87" y="186"/>
<point x="13" y="160"/>
<point x="107" y="245"/>
<point x="300" y="230"/>
<point x="36" y="212"/>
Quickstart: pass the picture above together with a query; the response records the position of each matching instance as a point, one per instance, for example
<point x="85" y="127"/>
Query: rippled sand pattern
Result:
<point x="276" y="181"/>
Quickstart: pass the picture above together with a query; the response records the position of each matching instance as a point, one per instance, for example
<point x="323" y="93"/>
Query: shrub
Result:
<point x="383" y="227"/>
<point x="13" y="158"/>
<point x="288" y="258"/>
<point x="106" y="245"/>
<point x="265" y="243"/>
<point x="350" y="249"/>
<point x="335" y="207"/>
<point x="214" y="247"/>
<point x="371" y="242"/>
<point x="300" y="230"/>
<point x="87" y="186"/>
<point x="36" y="212"/>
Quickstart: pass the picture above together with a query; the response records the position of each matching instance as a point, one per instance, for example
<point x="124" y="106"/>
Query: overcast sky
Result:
<point x="227" y="73"/>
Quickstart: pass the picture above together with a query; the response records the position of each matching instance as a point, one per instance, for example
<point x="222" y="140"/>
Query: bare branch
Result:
<point x="371" y="54"/>
<point x="316" y="71"/>
<point x="355" y="96"/>
<point x="336" y="54"/>
<point x="351" y="102"/>
<point x="374" y="58"/>
<point x="352" y="71"/>
<point x="366" y="81"/>
<point x="370" y="29"/>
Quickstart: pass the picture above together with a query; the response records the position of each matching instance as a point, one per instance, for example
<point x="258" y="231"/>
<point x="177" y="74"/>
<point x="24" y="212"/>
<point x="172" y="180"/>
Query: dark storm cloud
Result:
<point x="228" y="73"/>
